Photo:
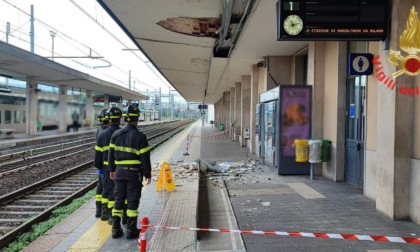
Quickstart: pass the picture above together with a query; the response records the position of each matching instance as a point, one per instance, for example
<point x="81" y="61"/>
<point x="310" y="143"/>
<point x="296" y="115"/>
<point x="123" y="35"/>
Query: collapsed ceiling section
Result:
<point x="225" y="29"/>
<point x="201" y="27"/>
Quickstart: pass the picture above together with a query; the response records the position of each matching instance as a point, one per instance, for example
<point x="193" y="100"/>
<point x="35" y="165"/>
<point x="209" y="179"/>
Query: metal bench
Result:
<point x="7" y="133"/>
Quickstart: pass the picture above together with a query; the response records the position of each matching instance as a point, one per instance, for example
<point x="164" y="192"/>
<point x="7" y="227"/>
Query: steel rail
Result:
<point x="27" y="224"/>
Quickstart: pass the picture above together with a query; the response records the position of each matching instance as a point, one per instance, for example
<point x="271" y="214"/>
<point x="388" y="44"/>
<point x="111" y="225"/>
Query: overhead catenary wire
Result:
<point x="47" y="25"/>
<point x="68" y="39"/>
<point x="116" y="38"/>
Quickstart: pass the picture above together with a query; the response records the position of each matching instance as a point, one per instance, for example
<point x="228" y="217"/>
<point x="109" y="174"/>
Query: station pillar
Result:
<point x="226" y="108"/>
<point x="238" y="108"/>
<point x="63" y="116"/>
<point x="89" y="109"/>
<point x="232" y="112"/>
<point x="106" y="101"/>
<point x="315" y="78"/>
<point x="254" y="102"/>
<point x="31" y="105"/>
<point x="245" y="107"/>
<point x="395" y="129"/>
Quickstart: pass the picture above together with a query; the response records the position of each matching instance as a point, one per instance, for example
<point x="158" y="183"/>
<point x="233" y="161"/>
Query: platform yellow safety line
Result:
<point x="93" y="239"/>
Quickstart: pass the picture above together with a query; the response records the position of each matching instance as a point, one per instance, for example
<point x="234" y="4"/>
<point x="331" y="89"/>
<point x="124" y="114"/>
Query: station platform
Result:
<point x="251" y="196"/>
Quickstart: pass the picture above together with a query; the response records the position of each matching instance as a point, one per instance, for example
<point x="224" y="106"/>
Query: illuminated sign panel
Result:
<point x="333" y="20"/>
<point x="112" y="98"/>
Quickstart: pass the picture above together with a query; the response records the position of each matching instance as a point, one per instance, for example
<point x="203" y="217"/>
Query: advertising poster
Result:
<point x="295" y="121"/>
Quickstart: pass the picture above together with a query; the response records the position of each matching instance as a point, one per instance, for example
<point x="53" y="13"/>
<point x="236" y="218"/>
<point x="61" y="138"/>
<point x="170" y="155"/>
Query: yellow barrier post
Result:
<point x="165" y="179"/>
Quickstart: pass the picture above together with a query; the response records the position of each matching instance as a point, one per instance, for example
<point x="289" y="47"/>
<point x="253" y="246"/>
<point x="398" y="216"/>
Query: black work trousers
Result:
<point x="127" y="186"/>
<point x="99" y="186"/>
<point x="108" y="185"/>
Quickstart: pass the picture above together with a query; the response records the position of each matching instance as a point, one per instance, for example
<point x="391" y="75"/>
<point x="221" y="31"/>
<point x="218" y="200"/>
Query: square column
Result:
<point x="226" y="109"/>
<point x="217" y="113"/>
<point x="238" y="112"/>
<point x="394" y="143"/>
<point x="31" y="105"/>
<point x="89" y="109"/>
<point x="62" y="108"/>
<point x="232" y="112"/>
<point x="395" y="131"/>
<point x="254" y="102"/>
<point x="245" y="106"/>
<point x="262" y="79"/>
<point x="334" y="111"/>
<point x="106" y="101"/>
<point x="316" y="76"/>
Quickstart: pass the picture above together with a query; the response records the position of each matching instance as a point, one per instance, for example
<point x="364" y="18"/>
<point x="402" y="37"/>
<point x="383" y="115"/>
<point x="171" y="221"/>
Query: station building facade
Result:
<point x="373" y="121"/>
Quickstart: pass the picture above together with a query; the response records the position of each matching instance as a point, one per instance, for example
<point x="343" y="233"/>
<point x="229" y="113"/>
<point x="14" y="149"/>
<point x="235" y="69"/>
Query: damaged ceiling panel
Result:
<point x="204" y="27"/>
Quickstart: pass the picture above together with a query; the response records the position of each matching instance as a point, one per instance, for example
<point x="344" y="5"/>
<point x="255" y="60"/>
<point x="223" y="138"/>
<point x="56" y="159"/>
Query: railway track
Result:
<point x="33" y="204"/>
<point x="21" y="159"/>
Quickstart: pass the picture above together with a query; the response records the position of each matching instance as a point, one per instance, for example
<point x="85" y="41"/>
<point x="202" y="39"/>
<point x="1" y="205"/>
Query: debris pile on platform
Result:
<point x="231" y="171"/>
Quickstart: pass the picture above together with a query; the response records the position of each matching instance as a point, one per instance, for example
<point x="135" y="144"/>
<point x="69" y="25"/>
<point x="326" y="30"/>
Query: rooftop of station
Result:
<point x="20" y="64"/>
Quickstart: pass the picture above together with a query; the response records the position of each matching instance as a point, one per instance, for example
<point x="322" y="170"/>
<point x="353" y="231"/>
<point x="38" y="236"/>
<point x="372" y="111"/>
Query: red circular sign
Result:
<point x="412" y="65"/>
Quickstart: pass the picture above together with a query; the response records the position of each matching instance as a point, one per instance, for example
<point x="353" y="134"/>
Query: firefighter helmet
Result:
<point x="131" y="113"/>
<point x="103" y="116"/>
<point x="114" y="114"/>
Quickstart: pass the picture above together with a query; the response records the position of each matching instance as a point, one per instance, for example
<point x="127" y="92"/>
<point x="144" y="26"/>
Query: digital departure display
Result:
<point x="291" y="6"/>
<point x="333" y="19"/>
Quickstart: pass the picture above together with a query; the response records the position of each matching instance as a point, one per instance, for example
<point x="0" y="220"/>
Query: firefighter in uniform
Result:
<point x="129" y="160"/>
<point x="101" y="161"/>
<point x="103" y="120"/>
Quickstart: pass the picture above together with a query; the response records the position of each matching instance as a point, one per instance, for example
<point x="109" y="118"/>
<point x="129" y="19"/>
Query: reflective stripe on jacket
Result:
<point x="102" y="146"/>
<point x="129" y="147"/>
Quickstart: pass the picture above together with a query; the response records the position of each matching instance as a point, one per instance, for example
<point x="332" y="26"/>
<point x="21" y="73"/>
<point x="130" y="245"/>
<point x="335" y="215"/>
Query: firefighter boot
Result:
<point x="132" y="231"/>
<point x="98" y="209"/>
<point x="105" y="213"/>
<point x="124" y="218"/>
<point x="117" y="231"/>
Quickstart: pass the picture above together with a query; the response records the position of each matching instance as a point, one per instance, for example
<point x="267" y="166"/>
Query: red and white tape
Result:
<point x="213" y="135"/>
<point x="376" y="238"/>
<point x="208" y="136"/>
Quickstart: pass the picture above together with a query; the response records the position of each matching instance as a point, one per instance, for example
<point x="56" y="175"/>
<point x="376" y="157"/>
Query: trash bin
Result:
<point x="221" y="126"/>
<point x="301" y="146"/>
<point x="39" y="125"/>
<point x="315" y="151"/>
<point x="325" y="150"/>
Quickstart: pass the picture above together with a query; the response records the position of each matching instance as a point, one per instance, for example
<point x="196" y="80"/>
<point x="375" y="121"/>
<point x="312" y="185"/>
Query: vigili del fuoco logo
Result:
<point x="407" y="63"/>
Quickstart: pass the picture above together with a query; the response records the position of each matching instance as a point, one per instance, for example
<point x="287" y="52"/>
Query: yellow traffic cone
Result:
<point x="165" y="178"/>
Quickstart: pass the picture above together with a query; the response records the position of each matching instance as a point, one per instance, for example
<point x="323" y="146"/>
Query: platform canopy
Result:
<point x="20" y="64"/>
<point x="202" y="47"/>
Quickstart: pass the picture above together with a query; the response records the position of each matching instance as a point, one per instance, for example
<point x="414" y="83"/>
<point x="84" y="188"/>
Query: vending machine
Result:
<point x="267" y="125"/>
<point x="270" y="131"/>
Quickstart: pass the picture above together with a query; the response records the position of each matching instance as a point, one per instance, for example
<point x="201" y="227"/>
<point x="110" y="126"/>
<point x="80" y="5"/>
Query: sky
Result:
<point x="82" y="28"/>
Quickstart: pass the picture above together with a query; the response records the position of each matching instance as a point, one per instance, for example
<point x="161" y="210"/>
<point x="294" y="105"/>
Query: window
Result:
<point x="0" y="117"/>
<point x="24" y="116"/>
<point x="17" y="116"/>
<point x="7" y="117"/>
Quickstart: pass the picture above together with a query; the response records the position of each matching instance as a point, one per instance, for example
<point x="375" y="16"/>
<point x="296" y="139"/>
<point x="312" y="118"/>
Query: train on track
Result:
<point x="13" y="112"/>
